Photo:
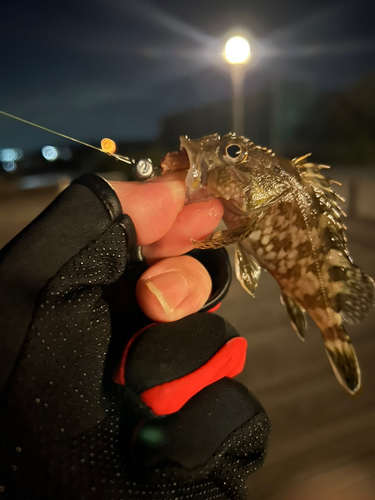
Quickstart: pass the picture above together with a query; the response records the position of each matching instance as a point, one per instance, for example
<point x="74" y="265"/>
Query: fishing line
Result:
<point x="118" y="157"/>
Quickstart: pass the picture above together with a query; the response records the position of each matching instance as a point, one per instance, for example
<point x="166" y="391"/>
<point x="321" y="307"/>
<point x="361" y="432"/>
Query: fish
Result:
<point x="285" y="217"/>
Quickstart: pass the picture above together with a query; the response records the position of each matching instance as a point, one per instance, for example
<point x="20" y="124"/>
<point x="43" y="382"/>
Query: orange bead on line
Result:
<point x="108" y="146"/>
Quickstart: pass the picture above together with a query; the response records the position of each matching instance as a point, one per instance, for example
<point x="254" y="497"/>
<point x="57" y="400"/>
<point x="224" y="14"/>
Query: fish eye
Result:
<point x="233" y="152"/>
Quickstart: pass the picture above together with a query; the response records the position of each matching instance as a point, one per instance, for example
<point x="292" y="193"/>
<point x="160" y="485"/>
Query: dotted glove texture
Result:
<point x="67" y="431"/>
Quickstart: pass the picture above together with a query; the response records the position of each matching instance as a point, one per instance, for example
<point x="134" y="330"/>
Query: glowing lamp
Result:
<point x="237" y="50"/>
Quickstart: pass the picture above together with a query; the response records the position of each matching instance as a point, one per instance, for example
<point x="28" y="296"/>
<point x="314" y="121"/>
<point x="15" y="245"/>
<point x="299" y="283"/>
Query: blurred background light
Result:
<point x="50" y="153"/>
<point x="10" y="154"/>
<point x="9" y="166"/>
<point x="237" y="50"/>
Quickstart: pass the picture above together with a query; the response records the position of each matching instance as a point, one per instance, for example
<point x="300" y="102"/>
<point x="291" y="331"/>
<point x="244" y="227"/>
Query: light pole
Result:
<point x="237" y="53"/>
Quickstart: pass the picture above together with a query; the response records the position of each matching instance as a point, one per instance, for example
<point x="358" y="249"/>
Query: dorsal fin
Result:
<point x="327" y="197"/>
<point x="356" y="296"/>
<point x="300" y="160"/>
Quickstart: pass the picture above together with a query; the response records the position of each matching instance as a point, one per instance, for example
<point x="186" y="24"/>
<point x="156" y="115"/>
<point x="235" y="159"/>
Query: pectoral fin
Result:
<point x="227" y="237"/>
<point x="296" y="316"/>
<point x="247" y="269"/>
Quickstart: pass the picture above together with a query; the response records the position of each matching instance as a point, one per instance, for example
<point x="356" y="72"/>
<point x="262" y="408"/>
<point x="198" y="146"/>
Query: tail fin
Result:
<point x="343" y="360"/>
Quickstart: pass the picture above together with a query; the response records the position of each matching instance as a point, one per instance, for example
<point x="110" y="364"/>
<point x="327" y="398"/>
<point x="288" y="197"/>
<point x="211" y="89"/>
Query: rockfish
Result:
<point x="284" y="216"/>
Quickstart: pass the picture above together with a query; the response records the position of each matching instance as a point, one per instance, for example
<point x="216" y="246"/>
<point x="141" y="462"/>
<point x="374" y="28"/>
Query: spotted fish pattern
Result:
<point x="284" y="216"/>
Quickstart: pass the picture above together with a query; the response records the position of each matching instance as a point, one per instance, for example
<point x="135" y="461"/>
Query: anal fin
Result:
<point x="296" y="316"/>
<point x="247" y="269"/>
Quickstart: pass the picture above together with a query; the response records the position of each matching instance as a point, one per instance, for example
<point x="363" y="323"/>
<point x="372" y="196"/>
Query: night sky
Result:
<point x="95" y="68"/>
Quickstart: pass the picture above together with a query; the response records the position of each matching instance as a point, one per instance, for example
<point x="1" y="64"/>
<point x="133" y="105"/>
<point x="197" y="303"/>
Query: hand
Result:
<point x="175" y="285"/>
<point x="59" y="348"/>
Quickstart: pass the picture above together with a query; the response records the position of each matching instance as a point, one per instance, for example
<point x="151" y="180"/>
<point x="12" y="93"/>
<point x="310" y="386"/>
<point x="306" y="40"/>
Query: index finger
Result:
<point x="153" y="206"/>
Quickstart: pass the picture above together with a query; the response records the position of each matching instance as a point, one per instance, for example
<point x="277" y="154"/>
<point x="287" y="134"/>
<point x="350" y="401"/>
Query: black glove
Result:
<point x="67" y="315"/>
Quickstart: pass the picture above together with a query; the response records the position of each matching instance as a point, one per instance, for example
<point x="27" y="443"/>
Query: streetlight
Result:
<point x="237" y="53"/>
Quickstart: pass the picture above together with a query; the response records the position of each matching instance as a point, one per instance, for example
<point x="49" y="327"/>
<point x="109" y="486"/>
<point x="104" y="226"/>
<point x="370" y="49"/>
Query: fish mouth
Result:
<point x="177" y="161"/>
<point x="185" y="159"/>
<point x="196" y="178"/>
<point x="194" y="175"/>
<point x="189" y="159"/>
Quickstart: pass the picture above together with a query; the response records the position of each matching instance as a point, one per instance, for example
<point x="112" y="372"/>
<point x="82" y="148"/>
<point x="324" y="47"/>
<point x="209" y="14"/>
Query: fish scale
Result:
<point x="284" y="217"/>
